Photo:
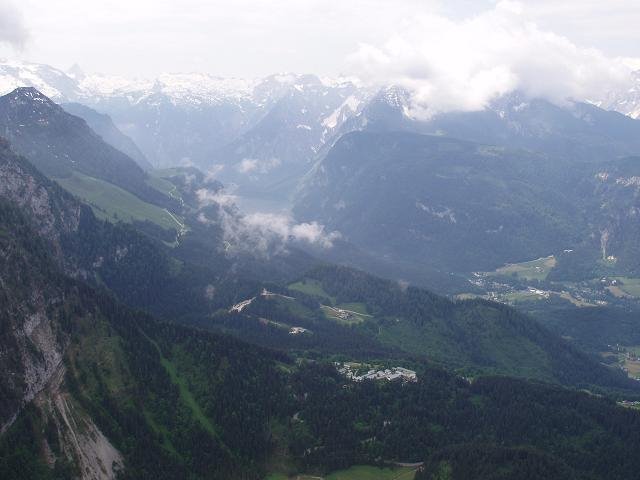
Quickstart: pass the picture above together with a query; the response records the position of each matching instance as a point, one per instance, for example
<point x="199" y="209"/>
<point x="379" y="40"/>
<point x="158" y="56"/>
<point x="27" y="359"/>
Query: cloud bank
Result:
<point x="462" y="65"/>
<point x="12" y="28"/>
<point x="260" y="233"/>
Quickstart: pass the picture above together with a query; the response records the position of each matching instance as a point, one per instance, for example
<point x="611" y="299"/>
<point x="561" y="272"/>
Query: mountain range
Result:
<point x="287" y="128"/>
<point x="262" y="134"/>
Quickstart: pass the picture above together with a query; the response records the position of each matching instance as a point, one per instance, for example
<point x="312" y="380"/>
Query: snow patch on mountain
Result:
<point x="52" y="82"/>
<point x="349" y="106"/>
<point x="625" y="101"/>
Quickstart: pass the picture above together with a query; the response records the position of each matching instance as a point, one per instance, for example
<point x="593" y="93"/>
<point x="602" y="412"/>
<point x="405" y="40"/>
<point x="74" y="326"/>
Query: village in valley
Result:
<point x="518" y="283"/>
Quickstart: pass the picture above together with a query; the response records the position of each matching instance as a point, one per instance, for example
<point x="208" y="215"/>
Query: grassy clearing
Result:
<point x="629" y="286"/>
<point x="632" y="365"/>
<point x="187" y="397"/>
<point x="354" y="307"/>
<point x="633" y="368"/>
<point x="162" y="185"/>
<point x="358" y="472"/>
<point x="628" y="357"/>
<point x="575" y="301"/>
<point x="185" y="394"/>
<point x="312" y="287"/>
<point x="533" y="270"/>
<point x="113" y="203"/>
<point x="523" y="296"/>
<point x="295" y="308"/>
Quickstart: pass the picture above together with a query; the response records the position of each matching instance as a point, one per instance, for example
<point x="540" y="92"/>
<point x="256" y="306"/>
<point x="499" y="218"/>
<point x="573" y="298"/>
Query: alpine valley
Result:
<point x="297" y="277"/>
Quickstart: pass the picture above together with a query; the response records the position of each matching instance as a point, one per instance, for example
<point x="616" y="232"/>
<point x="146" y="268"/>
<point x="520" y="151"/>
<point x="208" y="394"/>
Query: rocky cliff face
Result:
<point x="616" y="190"/>
<point x="32" y="343"/>
<point x="23" y="185"/>
<point x="38" y="305"/>
<point x="79" y="437"/>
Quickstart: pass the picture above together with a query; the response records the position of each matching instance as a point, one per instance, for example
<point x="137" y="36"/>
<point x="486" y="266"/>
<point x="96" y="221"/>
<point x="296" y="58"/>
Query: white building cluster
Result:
<point x="298" y="330"/>
<point x="394" y="374"/>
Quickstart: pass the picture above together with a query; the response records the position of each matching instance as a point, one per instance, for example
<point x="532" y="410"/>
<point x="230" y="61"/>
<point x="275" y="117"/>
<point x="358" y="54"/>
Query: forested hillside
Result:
<point x="153" y="400"/>
<point x="432" y="202"/>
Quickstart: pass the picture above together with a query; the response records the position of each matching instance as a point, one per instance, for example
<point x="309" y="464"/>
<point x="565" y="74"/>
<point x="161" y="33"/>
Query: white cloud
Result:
<point x="260" y="233"/>
<point x="149" y="37"/>
<point x="12" y="28"/>
<point x="222" y="198"/>
<point x="247" y="165"/>
<point x="463" y="65"/>
<point x="283" y="228"/>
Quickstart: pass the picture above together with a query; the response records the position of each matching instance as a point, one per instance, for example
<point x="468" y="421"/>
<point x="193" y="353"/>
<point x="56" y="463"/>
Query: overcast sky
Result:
<point x="257" y="37"/>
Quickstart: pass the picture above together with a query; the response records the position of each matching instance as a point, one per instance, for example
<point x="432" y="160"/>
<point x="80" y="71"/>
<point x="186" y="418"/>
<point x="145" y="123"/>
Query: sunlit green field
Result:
<point x="311" y="287"/>
<point x="363" y="472"/>
<point x="113" y="203"/>
<point x="533" y="270"/>
<point x="358" y="472"/>
<point x="630" y="286"/>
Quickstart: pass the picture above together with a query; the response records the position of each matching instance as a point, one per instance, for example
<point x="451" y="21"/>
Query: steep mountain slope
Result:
<point x="616" y="189"/>
<point x="441" y="202"/>
<point x="172" y="133"/>
<point x="101" y="390"/>
<point x="190" y="280"/>
<point x="59" y="144"/>
<point x="104" y="126"/>
<point x="36" y="306"/>
<point x="609" y="193"/>
<point x="275" y="152"/>
<point x="84" y="246"/>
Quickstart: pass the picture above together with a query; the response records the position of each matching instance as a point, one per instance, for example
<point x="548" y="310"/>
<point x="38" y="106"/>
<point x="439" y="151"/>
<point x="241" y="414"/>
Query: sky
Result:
<point x="251" y="38"/>
<point x="451" y="54"/>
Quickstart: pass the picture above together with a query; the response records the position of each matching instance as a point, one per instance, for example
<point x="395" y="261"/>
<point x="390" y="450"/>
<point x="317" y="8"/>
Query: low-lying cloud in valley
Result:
<point x="260" y="233"/>
<point x="463" y="64"/>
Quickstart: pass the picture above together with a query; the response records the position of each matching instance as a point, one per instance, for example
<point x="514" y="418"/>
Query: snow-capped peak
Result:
<point x="50" y="81"/>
